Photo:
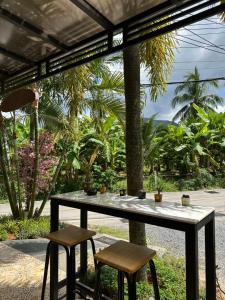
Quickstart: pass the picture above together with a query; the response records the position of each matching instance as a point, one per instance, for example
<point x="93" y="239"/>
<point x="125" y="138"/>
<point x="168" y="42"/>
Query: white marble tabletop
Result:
<point x="168" y="210"/>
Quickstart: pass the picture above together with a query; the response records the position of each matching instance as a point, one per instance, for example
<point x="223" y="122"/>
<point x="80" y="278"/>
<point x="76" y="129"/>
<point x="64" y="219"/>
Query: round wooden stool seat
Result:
<point x="70" y="236"/>
<point x="126" y="257"/>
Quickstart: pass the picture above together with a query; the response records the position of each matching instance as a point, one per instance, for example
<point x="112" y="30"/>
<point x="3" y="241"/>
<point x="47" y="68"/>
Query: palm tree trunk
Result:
<point x="134" y="151"/>
<point x="16" y="166"/>
<point x="36" y="161"/>
<point x="6" y="170"/>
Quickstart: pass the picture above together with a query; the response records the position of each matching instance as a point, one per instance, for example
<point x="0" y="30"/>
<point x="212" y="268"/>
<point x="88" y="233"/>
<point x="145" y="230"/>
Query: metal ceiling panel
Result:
<point x="58" y="18"/>
<point x="40" y="38"/>
<point x="17" y="40"/>
<point x="121" y="10"/>
<point x="9" y="65"/>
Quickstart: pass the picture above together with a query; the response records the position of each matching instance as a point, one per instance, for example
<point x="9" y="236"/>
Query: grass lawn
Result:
<point x="3" y="201"/>
<point x="120" y="234"/>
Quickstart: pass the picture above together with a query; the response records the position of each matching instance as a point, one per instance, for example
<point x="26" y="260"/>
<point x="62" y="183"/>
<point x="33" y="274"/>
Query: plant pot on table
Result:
<point x="158" y="197"/>
<point x="103" y="189"/>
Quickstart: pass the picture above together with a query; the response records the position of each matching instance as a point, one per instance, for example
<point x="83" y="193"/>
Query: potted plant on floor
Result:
<point x="159" y="188"/>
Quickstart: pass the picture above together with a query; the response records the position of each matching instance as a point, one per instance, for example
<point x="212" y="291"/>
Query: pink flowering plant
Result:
<point x="47" y="163"/>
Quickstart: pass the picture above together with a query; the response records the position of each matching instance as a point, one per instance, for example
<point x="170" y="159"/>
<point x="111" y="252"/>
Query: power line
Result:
<point x="194" y="40"/>
<point x="180" y="82"/>
<point x="200" y="69"/>
<point x="208" y="28"/>
<point x="203" y="47"/>
<point x="204" y="39"/>
<point x="198" y="61"/>
<point x="206" y="33"/>
<point x="215" y="22"/>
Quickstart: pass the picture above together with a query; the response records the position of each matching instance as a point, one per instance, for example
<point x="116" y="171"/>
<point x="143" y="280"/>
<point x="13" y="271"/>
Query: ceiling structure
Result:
<point x="40" y="38"/>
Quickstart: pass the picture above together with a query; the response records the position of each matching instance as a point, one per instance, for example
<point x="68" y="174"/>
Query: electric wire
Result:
<point x="204" y="39"/>
<point x="181" y="82"/>
<point x="203" y="47"/>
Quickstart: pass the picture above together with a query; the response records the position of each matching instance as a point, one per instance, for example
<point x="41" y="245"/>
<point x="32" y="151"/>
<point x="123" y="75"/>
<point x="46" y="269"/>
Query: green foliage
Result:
<point x="171" y="279"/>
<point x="192" y="95"/>
<point x="118" y="233"/>
<point x="24" y="229"/>
<point x="168" y="186"/>
<point x="102" y="177"/>
<point x="3" y="194"/>
<point x="120" y="184"/>
<point x="171" y="274"/>
<point x="3" y="233"/>
<point x="32" y="229"/>
<point x="66" y="185"/>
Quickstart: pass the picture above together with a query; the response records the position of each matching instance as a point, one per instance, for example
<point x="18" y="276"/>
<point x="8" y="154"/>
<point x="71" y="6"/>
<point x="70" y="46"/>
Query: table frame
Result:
<point x="191" y="243"/>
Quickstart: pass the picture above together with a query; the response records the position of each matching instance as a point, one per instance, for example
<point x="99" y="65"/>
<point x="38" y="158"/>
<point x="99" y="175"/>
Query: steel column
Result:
<point x="192" y="270"/>
<point x="83" y="246"/>
<point x="210" y="260"/>
<point x="54" y="258"/>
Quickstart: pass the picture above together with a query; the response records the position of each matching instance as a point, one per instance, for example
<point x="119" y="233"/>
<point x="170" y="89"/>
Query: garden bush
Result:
<point x="24" y="229"/>
<point x="171" y="279"/>
<point x="167" y="185"/>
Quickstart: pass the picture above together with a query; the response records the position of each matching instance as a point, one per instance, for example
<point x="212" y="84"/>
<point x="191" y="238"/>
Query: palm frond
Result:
<point x="180" y="114"/>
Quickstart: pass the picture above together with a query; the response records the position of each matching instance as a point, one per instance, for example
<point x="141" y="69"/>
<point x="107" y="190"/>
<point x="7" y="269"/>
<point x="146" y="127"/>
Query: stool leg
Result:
<point x="45" y="271"/>
<point x="71" y="293"/>
<point x="68" y="293"/>
<point x="154" y="279"/>
<point x="72" y="273"/>
<point x="93" y="250"/>
<point x="97" y="282"/>
<point x="131" y="280"/>
<point x="120" y="285"/>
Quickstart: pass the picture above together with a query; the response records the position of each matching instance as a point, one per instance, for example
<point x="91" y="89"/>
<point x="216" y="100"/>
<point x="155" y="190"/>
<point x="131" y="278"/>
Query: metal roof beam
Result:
<point x="10" y="17"/>
<point x="93" y="13"/>
<point x="16" y="56"/>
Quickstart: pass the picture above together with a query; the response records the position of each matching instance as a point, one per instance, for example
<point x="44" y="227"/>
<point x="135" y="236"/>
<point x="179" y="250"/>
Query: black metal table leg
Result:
<point x="54" y="252"/>
<point x="192" y="269"/>
<point x="83" y="246"/>
<point x="210" y="260"/>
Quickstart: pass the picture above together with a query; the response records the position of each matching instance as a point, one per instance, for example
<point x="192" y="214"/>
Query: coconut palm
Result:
<point x="190" y="93"/>
<point x="156" y="56"/>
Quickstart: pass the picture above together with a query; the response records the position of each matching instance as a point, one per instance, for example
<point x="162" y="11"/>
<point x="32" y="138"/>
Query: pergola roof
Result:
<point x="40" y="38"/>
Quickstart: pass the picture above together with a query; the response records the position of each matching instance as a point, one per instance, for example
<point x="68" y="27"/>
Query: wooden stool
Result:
<point x="68" y="238"/>
<point x="128" y="259"/>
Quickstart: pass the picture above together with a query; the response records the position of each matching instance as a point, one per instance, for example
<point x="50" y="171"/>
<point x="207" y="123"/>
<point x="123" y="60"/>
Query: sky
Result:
<point x="210" y="62"/>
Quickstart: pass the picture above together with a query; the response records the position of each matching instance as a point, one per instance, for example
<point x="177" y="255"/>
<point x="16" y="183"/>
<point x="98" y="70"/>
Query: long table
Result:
<point x="188" y="219"/>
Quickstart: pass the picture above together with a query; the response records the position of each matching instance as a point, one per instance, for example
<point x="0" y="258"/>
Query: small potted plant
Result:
<point x="159" y="188"/>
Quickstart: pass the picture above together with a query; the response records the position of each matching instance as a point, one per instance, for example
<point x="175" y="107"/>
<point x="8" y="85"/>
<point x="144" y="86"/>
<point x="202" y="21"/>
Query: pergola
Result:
<point x="41" y="38"/>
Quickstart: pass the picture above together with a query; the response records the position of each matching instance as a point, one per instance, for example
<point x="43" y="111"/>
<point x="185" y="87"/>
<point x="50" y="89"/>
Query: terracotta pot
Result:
<point x="158" y="197"/>
<point x="11" y="236"/>
<point x="103" y="189"/>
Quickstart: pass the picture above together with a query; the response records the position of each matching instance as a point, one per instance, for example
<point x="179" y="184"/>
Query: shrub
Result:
<point x="171" y="279"/>
<point x="121" y="184"/>
<point x="32" y="229"/>
<point x="3" y="233"/>
<point x="24" y="229"/>
<point x="168" y="186"/>
<point x="204" y="179"/>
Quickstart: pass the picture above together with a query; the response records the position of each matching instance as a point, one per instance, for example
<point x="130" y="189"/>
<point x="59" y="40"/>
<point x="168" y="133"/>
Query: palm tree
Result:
<point x="190" y="93"/>
<point x="157" y="57"/>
